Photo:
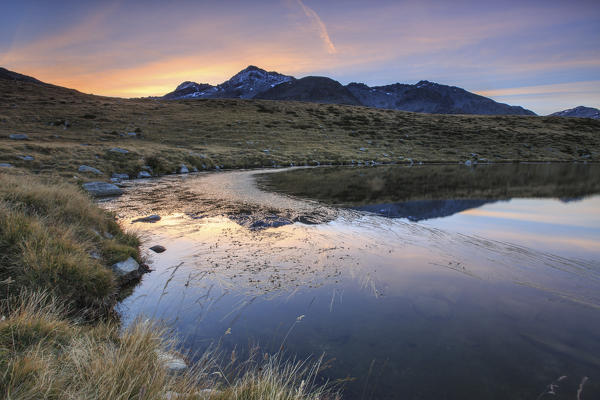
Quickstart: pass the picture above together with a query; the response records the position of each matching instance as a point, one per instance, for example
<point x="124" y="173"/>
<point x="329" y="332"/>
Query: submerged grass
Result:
<point x="58" y="338"/>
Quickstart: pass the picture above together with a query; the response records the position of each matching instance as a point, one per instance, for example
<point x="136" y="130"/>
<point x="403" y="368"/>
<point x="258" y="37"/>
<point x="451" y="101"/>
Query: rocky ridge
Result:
<point x="424" y="96"/>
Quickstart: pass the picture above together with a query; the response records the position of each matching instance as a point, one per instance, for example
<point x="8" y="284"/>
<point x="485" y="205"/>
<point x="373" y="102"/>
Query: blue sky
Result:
<point x="543" y="55"/>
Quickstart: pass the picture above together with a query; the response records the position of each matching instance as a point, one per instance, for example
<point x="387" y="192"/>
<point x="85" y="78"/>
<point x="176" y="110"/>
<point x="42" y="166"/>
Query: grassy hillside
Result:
<point x="67" y="129"/>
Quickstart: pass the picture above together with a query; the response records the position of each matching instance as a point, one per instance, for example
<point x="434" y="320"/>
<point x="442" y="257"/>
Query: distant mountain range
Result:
<point x="579" y="112"/>
<point x="425" y="96"/>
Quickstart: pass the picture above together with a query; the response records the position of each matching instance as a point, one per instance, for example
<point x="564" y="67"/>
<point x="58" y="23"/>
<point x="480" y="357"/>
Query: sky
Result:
<point x="542" y="55"/>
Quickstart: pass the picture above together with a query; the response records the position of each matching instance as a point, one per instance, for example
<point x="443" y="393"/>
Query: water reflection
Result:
<point x="493" y="302"/>
<point x="424" y="192"/>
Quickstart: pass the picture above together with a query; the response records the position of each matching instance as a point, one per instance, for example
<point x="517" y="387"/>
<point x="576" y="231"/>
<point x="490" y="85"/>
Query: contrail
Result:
<point x="310" y="13"/>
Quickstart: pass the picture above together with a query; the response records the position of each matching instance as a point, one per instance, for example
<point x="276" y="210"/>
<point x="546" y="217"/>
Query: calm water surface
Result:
<point x="432" y="282"/>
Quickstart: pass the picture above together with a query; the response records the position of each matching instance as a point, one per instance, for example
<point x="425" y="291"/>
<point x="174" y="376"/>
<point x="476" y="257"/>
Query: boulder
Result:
<point x="102" y="189"/>
<point x="158" y="248"/>
<point x="87" y="168"/>
<point x="149" y="218"/>
<point x="118" y="150"/>
<point x="127" y="268"/>
<point x="144" y="174"/>
<point x="5" y="165"/>
<point x="18" y="136"/>
<point x="183" y="169"/>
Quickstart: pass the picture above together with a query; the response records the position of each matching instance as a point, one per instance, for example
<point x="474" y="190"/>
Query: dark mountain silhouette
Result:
<point x="425" y="96"/>
<point x="14" y="76"/>
<point x="316" y="89"/>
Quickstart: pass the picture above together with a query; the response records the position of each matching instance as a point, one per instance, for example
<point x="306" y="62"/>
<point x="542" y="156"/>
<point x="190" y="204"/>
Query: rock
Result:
<point x="362" y="149"/>
<point x="183" y="169"/>
<point x="131" y="134"/>
<point x="119" y="150"/>
<point x="150" y="218"/>
<point x="147" y="168"/>
<point x="26" y="158"/>
<point x="171" y="362"/>
<point x="144" y="174"/>
<point x="102" y="189"/>
<point x="5" y="165"/>
<point x="158" y="248"/>
<point x="18" y="136"/>
<point x="87" y="168"/>
<point x="127" y="267"/>
<point x="468" y="163"/>
<point x="95" y="255"/>
<point x="195" y="169"/>
<point x="120" y="176"/>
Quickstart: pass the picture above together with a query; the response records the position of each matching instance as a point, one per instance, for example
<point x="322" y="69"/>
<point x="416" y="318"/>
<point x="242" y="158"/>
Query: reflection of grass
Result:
<point x="244" y="133"/>
<point x="386" y="184"/>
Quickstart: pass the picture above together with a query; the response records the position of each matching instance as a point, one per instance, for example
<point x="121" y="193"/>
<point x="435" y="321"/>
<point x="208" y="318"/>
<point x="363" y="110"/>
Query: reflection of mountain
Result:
<point x="358" y="187"/>
<point x="419" y="210"/>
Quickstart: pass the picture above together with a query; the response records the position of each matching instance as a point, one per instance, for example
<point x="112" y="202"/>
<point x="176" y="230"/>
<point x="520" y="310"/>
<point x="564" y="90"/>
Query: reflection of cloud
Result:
<point x="310" y="13"/>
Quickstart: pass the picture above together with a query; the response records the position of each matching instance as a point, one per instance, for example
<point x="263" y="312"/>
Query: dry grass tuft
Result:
<point x="53" y="238"/>
<point x="43" y="356"/>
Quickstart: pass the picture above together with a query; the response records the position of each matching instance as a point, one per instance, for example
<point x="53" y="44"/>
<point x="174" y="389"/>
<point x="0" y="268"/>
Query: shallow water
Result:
<point x="410" y="290"/>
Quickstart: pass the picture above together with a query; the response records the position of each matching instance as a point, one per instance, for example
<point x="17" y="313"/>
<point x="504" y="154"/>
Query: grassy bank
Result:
<point x="67" y="129"/>
<point x="58" y="336"/>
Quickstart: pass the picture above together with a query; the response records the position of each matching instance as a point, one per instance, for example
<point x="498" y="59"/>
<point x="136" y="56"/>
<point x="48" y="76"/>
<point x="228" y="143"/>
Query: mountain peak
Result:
<point x="252" y="68"/>
<point x="424" y="96"/>
<point x="579" y="112"/>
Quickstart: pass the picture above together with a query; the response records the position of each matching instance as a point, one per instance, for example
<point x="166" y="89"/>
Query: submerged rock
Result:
<point x="256" y="222"/>
<point x="102" y="189"/>
<point x="149" y="218"/>
<point x="158" y="248"/>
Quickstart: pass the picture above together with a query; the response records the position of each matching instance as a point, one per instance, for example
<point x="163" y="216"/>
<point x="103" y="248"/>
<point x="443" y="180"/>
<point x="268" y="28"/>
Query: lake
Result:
<point x="422" y="282"/>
